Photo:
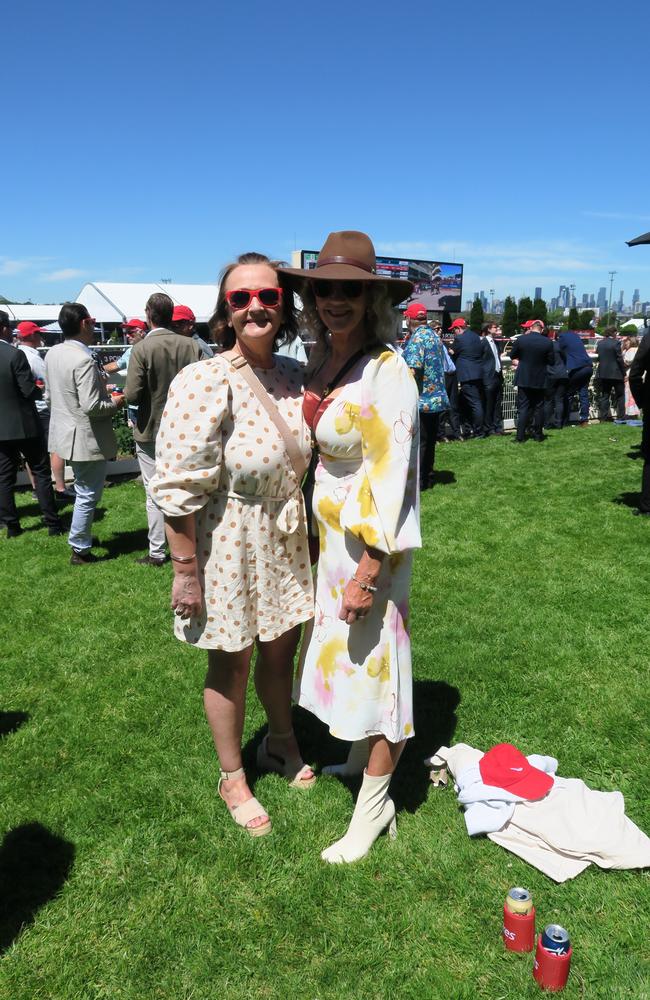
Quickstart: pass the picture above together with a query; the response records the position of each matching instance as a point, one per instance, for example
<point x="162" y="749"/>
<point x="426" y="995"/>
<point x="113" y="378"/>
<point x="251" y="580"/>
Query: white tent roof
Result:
<point x="35" y="314"/>
<point x="115" y="302"/>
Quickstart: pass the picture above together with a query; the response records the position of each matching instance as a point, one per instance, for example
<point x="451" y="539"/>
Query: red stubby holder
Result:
<point x="550" y="969"/>
<point x="519" y="930"/>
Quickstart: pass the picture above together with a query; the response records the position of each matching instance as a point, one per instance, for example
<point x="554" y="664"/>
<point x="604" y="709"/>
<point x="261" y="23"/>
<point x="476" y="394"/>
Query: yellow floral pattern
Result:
<point x="357" y="678"/>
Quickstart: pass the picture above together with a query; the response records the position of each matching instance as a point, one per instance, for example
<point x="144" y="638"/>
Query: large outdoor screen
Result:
<point x="437" y="285"/>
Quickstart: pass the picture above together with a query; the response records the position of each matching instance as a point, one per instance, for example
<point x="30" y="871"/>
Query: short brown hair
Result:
<point x="160" y="309"/>
<point x="219" y="326"/>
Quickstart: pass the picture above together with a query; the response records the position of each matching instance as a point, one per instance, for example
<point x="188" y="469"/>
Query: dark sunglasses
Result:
<point x="240" y="298"/>
<point x="324" y="289"/>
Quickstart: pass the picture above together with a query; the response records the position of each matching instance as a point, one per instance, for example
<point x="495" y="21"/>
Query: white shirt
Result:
<point x="37" y="365"/>
<point x="495" y="351"/>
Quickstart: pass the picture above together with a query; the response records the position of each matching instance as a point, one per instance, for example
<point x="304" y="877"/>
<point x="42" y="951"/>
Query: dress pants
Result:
<point x="605" y="386"/>
<point x="89" y="478"/>
<point x="471" y="394"/>
<point x="493" y="397"/>
<point x="428" y="436"/>
<point x="146" y="454"/>
<point x="530" y="401"/>
<point x="34" y="451"/>
<point x="554" y="394"/>
<point x="578" y="382"/>
<point x="450" y="418"/>
<point x="644" y="502"/>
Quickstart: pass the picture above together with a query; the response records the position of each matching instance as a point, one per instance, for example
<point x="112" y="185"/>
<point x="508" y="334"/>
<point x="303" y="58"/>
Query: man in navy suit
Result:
<point x="533" y="352"/>
<point x="580" y="368"/>
<point x="492" y="380"/>
<point x="467" y="352"/>
<point x="611" y="375"/>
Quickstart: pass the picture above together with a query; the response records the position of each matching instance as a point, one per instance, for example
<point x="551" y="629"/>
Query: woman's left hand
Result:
<point x="356" y="603"/>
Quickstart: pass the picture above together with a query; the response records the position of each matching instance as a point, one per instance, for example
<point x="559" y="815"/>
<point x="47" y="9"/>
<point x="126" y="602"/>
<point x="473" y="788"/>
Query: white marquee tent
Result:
<point x="115" y="302"/>
<point x="34" y="313"/>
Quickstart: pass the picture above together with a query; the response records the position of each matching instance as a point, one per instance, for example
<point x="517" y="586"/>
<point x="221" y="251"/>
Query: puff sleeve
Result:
<point x="188" y="443"/>
<point x="382" y="508"/>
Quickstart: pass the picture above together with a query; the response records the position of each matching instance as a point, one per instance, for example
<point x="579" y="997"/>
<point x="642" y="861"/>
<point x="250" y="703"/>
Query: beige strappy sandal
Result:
<point x="267" y="761"/>
<point x="247" y="811"/>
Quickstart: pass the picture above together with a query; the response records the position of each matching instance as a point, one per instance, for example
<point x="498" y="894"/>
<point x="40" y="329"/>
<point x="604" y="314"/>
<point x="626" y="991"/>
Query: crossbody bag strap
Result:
<point x="240" y="364"/>
<point x="331" y="385"/>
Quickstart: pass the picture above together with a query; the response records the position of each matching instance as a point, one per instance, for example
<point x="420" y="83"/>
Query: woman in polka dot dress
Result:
<point x="236" y="526"/>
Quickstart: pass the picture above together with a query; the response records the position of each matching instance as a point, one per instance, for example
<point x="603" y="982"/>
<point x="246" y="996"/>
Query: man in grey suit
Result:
<point x="154" y="363"/>
<point x="81" y="421"/>
<point x="21" y="434"/>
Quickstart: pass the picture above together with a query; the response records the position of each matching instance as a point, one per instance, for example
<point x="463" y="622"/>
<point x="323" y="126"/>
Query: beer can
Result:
<point x="556" y="939"/>
<point x="519" y="900"/>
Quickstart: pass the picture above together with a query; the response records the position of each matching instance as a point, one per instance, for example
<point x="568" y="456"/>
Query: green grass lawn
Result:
<point x="529" y="624"/>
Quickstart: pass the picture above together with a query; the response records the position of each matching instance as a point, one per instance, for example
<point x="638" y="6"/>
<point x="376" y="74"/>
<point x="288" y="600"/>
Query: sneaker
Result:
<point x="150" y="561"/>
<point x="80" y="557"/>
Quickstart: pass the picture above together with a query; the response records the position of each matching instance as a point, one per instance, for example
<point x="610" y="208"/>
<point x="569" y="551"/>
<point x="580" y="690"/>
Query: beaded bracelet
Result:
<point x="365" y="586"/>
<point x="182" y="559"/>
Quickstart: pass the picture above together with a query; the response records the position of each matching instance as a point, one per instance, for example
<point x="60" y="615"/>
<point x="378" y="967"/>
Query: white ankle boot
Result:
<point x="373" y="812"/>
<point x="356" y="762"/>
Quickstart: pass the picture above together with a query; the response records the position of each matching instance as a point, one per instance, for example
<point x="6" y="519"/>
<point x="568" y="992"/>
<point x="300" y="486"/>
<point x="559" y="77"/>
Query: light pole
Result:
<point x="611" y="285"/>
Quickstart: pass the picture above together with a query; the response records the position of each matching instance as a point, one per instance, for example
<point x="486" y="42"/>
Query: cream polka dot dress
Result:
<point x="220" y="457"/>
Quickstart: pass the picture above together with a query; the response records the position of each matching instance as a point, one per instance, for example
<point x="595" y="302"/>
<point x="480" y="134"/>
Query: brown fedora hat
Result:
<point x="348" y="256"/>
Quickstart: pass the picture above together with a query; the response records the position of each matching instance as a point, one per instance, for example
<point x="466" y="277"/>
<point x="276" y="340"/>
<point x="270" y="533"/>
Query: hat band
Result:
<point x="321" y="262"/>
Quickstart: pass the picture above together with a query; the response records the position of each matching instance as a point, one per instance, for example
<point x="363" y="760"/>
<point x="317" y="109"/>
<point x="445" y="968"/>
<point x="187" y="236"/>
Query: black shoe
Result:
<point x="80" y="557"/>
<point x="149" y="561"/>
<point x="64" y="496"/>
<point x="14" y="530"/>
<point x="55" y="530"/>
<point x="641" y="513"/>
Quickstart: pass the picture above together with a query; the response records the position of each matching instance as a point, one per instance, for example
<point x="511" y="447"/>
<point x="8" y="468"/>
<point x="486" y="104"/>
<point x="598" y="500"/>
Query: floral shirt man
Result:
<point x="422" y="351"/>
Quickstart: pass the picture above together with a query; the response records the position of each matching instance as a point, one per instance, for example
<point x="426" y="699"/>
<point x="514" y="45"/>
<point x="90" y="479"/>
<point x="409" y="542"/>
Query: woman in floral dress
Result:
<point x="236" y="525"/>
<point x="356" y="670"/>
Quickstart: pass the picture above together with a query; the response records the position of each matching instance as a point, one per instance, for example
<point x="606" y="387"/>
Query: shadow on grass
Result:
<point x="34" y="865"/>
<point x="11" y="721"/>
<point x="443" y="477"/>
<point x="125" y="543"/>
<point x="627" y="500"/>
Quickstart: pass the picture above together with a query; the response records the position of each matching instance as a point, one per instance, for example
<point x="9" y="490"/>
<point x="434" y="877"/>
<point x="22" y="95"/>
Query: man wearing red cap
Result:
<point x="467" y="352"/>
<point x="184" y="322"/>
<point x="29" y="339"/>
<point x="21" y="435"/>
<point x="533" y="352"/>
<point x="422" y="351"/>
<point x="153" y="365"/>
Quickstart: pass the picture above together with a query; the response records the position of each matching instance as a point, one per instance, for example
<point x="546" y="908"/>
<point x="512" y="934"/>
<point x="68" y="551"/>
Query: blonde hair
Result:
<point x="381" y="322"/>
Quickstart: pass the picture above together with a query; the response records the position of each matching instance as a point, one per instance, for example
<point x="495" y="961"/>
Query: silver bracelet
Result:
<point x="365" y="586"/>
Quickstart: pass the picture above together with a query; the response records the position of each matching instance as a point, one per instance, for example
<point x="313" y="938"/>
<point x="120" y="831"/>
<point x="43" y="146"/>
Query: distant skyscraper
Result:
<point x="621" y="301"/>
<point x="585" y="300"/>
<point x="563" y="296"/>
<point x="592" y="301"/>
<point x="635" y="300"/>
<point x="601" y="301"/>
<point x="538" y="292"/>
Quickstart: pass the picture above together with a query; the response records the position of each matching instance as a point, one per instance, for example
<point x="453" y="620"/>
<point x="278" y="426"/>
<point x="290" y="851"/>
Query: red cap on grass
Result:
<point x="506" y="767"/>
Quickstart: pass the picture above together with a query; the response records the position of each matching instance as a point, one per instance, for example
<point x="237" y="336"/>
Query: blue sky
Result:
<point x="147" y="141"/>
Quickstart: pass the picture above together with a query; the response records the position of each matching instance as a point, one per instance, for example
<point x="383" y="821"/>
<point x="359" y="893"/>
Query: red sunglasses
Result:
<point x="240" y="298"/>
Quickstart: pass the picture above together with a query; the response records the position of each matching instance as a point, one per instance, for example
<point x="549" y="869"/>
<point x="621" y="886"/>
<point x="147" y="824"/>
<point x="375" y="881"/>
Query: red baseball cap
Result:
<point x="25" y="330"/>
<point x="183" y="314"/>
<point x="531" y="322"/>
<point x="458" y="324"/>
<point x="135" y="324"/>
<point x="506" y="767"/>
<point x="415" y="311"/>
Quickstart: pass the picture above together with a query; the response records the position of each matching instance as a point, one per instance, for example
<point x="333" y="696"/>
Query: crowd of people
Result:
<point x="255" y="468"/>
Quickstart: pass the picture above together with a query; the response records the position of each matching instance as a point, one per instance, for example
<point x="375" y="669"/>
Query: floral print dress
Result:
<point x="220" y="457"/>
<point x="357" y="678"/>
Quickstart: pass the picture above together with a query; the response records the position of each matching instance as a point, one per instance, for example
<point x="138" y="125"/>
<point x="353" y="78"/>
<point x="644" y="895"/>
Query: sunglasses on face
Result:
<point x="240" y="298"/>
<point x="324" y="289"/>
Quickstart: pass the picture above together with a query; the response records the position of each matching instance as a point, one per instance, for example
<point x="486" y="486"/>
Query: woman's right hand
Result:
<point x="187" y="595"/>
